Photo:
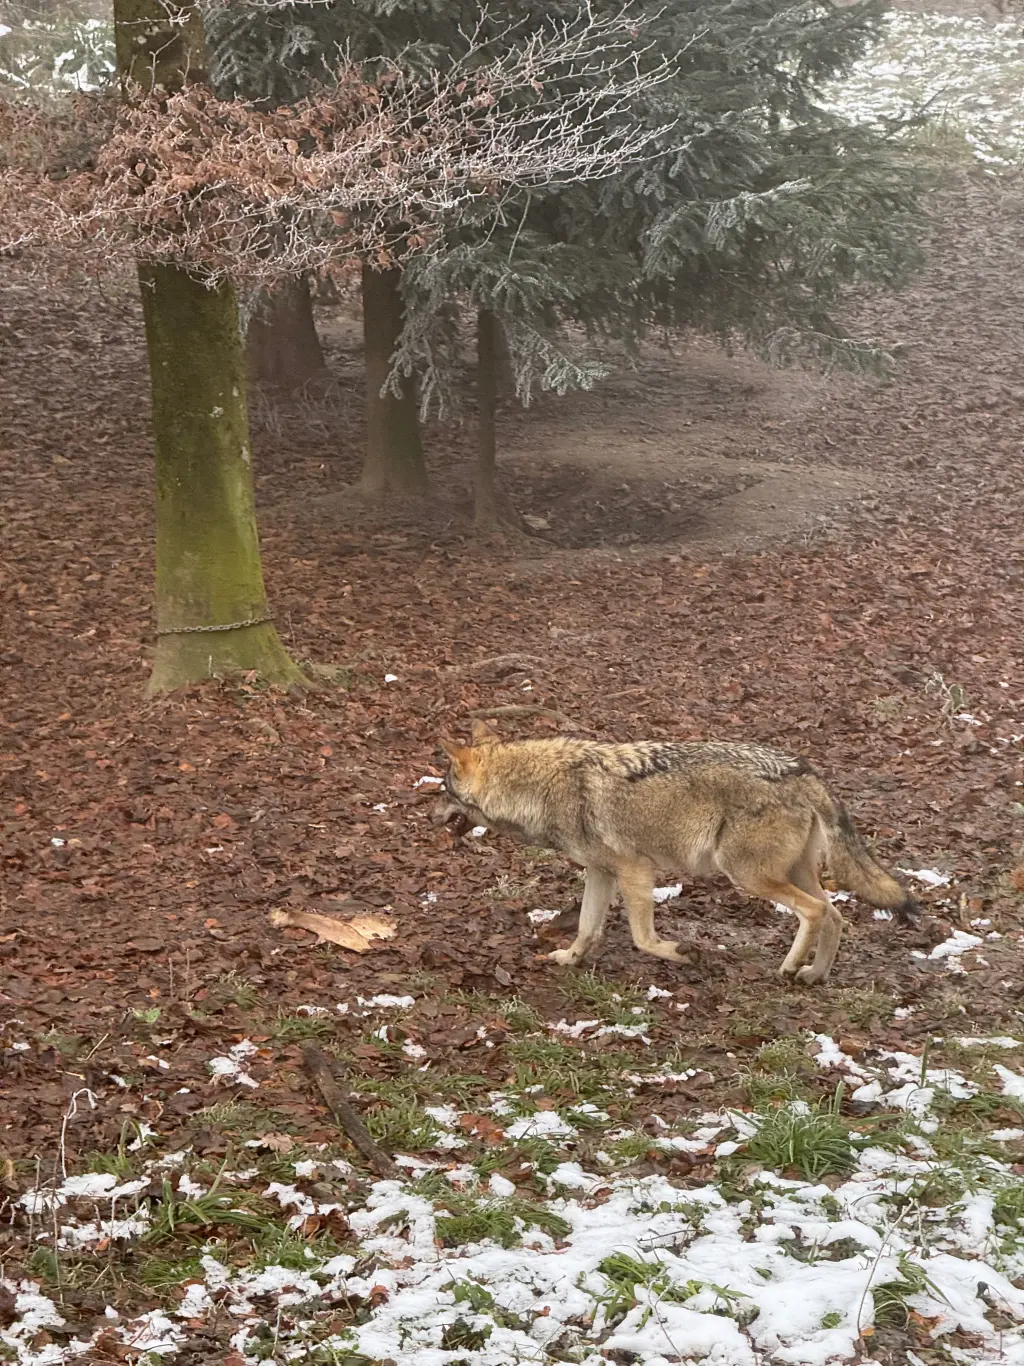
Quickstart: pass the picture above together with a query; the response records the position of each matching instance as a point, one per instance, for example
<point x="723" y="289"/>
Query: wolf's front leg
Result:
<point x="637" y="884"/>
<point x="597" y="898"/>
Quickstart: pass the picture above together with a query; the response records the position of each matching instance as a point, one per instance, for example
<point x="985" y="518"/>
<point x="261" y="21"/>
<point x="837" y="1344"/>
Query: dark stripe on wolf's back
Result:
<point x="648" y="760"/>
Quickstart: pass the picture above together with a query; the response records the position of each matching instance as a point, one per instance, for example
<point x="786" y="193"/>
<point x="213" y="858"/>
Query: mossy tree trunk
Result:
<point x="284" y="348"/>
<point x="487" y="360"/>
<point x="394" y="450"/>
<point x="208" y="570"/>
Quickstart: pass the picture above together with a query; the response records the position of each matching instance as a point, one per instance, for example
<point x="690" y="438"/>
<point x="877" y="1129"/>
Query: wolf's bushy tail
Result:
<point x="850" y="863"/>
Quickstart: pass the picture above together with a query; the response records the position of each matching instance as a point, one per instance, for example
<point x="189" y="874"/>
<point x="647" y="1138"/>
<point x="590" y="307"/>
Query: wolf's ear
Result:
<point x="463" y="757"/>
<point x="483" y="734"/>
<point x="451" y="747"/>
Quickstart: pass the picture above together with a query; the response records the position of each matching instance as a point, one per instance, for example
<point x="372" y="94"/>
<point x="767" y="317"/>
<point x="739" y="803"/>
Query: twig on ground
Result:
<point x="319" y="1068"/>
<point x="509" y="662"/>
<point x="485" y="713"/>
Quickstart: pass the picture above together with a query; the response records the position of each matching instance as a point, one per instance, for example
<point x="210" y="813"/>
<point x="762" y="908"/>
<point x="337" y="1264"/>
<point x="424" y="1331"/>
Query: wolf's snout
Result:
<point x="444" y="810"/>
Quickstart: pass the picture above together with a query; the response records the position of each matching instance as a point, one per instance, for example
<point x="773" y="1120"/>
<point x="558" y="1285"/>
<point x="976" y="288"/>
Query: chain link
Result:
<point x="201" y="630"/>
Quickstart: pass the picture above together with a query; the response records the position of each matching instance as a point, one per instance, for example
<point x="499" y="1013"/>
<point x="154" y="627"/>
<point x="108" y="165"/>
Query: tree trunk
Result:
<point x="505" y="369"/>
<point x="394" y="451"/>
<point x="284" y="348"/>
<point x="486" y="502"/>
<point x="208" y="571"/>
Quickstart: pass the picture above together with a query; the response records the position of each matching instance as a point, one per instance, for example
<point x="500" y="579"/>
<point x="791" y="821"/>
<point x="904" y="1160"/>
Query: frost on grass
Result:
<point x="966" y="73"/>
<point x="805" y="1234"/>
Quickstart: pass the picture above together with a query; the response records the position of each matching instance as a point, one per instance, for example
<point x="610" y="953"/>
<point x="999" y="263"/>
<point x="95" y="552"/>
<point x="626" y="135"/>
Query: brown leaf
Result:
<point x="357" y="934"/>
<point x="276" y="1143"/>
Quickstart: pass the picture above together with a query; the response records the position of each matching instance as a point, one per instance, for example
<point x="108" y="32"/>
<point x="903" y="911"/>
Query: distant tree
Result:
<point x="757" y="211"/>
<point x="284" y="52"/>
<point x="278" y="55"/>
<point x="284" y="348"/>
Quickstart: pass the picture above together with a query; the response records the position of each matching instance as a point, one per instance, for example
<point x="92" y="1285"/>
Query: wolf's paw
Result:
<point x="679" y="954"/>
<point x="666" y="948"/>
<point x="810" y="977"/>
<point x="567" y="958"/>
<point x="787" y="973"/>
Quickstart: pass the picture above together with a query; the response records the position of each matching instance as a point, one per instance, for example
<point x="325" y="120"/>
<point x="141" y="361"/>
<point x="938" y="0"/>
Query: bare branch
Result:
<point x="514" y="663"/>
<point x="347" y="1117"/>
<point x="367" y="169"/>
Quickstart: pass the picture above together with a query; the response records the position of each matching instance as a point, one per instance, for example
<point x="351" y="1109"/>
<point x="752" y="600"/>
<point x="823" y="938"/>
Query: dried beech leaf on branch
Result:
<point x="368" y="169"/>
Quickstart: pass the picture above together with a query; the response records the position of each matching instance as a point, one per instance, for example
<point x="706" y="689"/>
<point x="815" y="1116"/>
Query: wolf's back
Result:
<point x="647" y="758"/>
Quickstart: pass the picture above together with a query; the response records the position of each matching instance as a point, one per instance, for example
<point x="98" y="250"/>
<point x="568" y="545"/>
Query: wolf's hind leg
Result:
<point x="598" y="892"/>
<point x="779" y="858"/>
<point x="637" y="884"/>
<point x="821" y="926"/>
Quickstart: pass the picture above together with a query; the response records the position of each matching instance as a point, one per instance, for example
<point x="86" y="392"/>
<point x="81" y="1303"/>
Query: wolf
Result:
<point x="628" y="812"/>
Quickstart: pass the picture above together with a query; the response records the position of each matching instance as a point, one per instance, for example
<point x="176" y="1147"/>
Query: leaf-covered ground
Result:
<point x="715" y="1166"/>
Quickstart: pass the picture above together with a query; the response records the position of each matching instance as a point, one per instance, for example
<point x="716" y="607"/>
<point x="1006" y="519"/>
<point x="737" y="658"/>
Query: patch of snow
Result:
<point x="1013" y="1082"/>
<point x="596" y="1030"/>
<point x="539" y="917"/>
<point x="667" y="893"/>
<point x="446" y="1115"/>
<point x="229" y="1069"/>
<point x="951" y="950"/>
<point x="929" y="877"/>
<point x="830" y="1055"/>
<point x="543" y="1124"/>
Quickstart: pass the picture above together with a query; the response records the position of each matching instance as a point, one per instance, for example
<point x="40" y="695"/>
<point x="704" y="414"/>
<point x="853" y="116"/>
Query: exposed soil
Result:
<point x="690" y="445"/>
<point x="768" y="556"/>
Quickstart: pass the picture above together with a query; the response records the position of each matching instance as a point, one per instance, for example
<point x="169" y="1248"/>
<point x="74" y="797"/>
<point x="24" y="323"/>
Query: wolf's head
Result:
<point x="462" y="782"/>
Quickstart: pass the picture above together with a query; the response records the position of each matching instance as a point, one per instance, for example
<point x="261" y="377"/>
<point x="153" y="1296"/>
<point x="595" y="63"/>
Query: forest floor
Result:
<point x="648" y="1162"/>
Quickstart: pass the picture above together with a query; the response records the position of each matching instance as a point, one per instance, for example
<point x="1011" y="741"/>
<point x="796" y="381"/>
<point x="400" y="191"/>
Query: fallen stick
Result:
<point x="319" y="1068"/>
<point x="512" y="662"/>
<point x="484" y="713"/>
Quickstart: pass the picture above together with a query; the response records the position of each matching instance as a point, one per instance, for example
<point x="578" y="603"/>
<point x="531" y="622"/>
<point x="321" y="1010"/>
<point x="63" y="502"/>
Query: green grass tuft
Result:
<point x="812" y="1139"/>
